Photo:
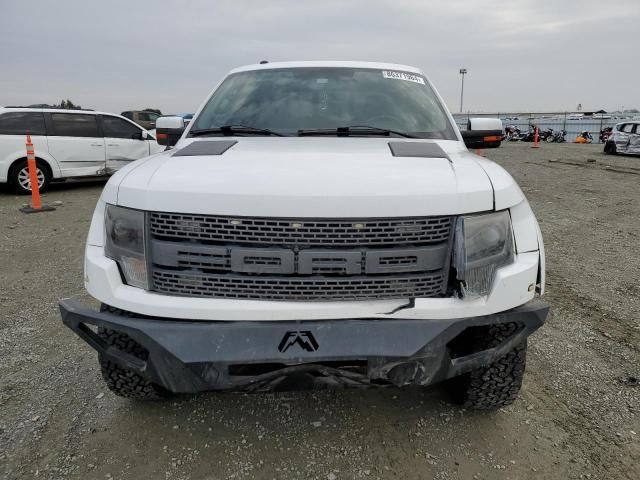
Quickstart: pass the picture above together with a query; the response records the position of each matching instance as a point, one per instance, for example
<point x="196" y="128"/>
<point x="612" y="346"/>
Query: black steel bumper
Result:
<point x="191" y="356"/>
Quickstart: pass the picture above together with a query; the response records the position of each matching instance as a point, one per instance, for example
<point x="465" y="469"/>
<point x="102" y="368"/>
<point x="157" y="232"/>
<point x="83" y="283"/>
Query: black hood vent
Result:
<point x="198" y="148"/>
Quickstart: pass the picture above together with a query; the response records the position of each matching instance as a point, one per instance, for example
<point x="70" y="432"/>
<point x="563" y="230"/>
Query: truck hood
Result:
<point x="307" y="177"/>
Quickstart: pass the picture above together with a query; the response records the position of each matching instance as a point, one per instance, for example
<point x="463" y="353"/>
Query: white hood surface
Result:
<point x="307" y="177"/>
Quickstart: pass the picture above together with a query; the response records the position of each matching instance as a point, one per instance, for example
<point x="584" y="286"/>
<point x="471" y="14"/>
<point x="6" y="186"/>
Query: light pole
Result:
<point x="463" y="72"/>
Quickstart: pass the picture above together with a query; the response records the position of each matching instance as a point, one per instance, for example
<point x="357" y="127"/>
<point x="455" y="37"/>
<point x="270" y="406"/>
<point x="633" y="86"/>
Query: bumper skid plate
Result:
<point x="191" y="356"/>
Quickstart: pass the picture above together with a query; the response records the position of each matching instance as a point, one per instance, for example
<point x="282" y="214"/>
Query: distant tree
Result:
<point x="68" y="105"/>
<point x="155" y="110"/>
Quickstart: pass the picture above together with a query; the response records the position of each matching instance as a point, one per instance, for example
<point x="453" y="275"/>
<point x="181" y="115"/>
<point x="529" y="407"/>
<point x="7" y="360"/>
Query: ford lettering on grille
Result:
<point x="283" y="261"/>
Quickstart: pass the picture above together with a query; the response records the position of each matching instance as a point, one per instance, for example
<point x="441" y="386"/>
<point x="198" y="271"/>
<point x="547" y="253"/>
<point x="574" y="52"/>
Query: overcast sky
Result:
<point x="521" y="55"/>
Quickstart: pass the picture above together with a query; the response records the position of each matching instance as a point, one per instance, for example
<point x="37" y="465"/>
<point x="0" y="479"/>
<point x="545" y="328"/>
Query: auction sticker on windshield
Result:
<point x="409" y="77"/>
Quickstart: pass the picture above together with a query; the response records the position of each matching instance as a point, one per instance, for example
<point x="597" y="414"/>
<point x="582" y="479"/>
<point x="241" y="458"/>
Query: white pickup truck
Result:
<point x="317" y="224"/>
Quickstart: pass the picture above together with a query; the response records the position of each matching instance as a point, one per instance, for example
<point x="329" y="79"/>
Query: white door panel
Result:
<point x="124" y="142"/>
<point x="634" y="142"/>
<point x="121" y="151"/>
<point x="77" y="145"/>
<point x="622" y="138"/>
<point x="78" y="156"/>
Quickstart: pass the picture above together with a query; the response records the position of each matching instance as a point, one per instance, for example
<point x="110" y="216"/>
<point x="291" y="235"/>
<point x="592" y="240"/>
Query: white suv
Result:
<point x="624" y="138"/>
<point x="68" y="143"/>
<point x="316" y="224"/>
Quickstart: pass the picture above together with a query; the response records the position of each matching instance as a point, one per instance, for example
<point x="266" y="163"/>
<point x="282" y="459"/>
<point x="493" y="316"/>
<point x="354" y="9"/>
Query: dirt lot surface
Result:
<point x="578" y="415"/>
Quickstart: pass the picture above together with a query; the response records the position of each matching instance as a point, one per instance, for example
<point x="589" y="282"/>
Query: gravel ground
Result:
<point x="578" y="415"/>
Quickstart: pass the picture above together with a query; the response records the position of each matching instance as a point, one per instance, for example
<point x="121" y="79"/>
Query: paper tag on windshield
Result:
<point x="409" y="77"/>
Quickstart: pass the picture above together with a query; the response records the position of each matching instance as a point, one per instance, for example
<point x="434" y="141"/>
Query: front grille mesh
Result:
<point x="300" y="232"/>
<point x="194" y="257"/>
<point x="292" y="288"/>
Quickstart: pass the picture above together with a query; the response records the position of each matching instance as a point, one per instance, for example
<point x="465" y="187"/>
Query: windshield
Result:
<point x="291" y="99"/>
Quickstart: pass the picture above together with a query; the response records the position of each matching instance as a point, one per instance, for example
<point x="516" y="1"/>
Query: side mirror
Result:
<point x="169" y="130"/>
<point x="483" y="133"/>
<point x="141" y="135"/>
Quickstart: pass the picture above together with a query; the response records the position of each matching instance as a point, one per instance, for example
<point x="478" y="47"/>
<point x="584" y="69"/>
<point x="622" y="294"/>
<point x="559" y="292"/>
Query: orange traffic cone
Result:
<point x="535" y="139"/>
<point x="36" y="205"/>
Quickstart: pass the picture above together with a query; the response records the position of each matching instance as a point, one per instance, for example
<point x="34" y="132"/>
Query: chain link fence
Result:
<point x="573" y="124"/>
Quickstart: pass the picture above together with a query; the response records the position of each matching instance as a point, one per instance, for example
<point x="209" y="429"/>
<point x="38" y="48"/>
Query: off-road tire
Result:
<point x="123" y="382"/>
<point x="14" y="174"/>
<point x="496" y="385"/>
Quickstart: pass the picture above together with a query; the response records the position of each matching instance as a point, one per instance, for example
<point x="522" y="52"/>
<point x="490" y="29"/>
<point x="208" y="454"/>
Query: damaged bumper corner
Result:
<point x="192" y="356"/>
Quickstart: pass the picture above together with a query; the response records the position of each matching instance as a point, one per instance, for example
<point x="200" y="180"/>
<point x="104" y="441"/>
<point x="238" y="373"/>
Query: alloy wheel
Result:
<point x="25" y="181"/>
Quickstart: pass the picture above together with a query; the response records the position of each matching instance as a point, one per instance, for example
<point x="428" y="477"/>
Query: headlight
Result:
<point x="483" y="244"/>
<point x="124" y="229"/>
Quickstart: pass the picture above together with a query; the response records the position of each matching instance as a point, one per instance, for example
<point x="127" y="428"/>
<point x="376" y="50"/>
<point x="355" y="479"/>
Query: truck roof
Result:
<point x="338" y="64"/>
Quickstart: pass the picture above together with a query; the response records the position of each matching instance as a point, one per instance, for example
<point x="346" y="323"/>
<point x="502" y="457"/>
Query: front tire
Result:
<point x="121" y="381"/>
<point x="21" y="182"/>
<point x="497" y="384"/>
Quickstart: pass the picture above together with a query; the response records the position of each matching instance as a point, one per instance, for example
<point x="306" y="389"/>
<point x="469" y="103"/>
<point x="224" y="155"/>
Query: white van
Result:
<point x="68" y="143"/>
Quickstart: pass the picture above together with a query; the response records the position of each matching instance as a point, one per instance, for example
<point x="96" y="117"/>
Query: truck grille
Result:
<point x="300" y="232"/>
<point x="305" y="260"/>
<point x="289" y="288"/>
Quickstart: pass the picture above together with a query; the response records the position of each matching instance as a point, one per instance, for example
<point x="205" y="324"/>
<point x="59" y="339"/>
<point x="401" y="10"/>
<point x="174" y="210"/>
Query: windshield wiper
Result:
<point x="353" y="130"/>
<point x="228" y="130"/>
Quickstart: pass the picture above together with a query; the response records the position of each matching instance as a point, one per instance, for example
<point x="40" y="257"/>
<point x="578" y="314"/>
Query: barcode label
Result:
<point x="409" y="77"/>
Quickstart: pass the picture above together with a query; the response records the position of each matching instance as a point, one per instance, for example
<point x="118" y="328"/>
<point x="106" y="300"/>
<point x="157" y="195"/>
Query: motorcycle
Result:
<point x="557" y="136"/>
<point x="605" y="133"/>
<point x="544" y="134"/>
<point x="530" y="136"/>
<point x="584" y="137"/>
<point x="512" y="133"/>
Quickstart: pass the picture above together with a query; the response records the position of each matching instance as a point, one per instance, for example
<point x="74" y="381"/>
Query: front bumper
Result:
<point x="191" y="356"/>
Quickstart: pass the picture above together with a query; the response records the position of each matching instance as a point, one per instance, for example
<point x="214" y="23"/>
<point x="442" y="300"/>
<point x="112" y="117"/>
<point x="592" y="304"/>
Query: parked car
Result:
<point x="68" y="143"/>
<point x="341" y="235"/>
<point x="144" y="118"/>
<point x="624" y="138"/>
<point x="187" y="117"/>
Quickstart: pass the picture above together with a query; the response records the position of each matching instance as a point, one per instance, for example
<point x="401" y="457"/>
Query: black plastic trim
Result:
<point x="192" y="356"/>
<point x="197" y="148"/>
